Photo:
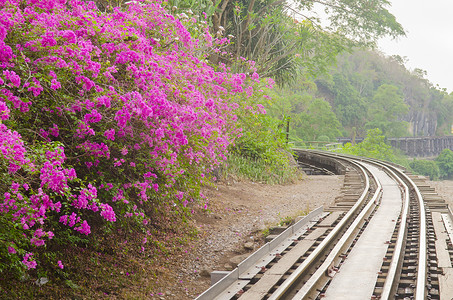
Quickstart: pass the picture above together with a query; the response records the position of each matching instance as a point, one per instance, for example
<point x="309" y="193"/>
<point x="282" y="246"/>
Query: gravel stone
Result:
<point x="249" y="245"/>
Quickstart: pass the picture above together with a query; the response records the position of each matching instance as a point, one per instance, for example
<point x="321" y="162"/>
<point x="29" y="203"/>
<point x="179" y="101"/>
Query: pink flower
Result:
<point x="84" y="228"/>
<point x="31" y="264"/>
<point x="54" y="130"/>
<point x="37" y="242"/>
<point x="179" y="195"/>
<point x="60" y="264"/>
<point x="64" y="219"/>
<point x="110" y="134"/>
<point x="12" y="250"/>
<point x="261" y="109"/>
<point x="4" y="111"/>
<point x="55" y="84"/>
<point x="93" y="117"/>
<point x="107" y="212"/>
<point x="13" y="77"/>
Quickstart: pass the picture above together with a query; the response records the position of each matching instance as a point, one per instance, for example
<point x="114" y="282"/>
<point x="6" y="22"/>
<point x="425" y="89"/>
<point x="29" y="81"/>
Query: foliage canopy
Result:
<point x="358" y="88"/>
<point x="284" y="36"/>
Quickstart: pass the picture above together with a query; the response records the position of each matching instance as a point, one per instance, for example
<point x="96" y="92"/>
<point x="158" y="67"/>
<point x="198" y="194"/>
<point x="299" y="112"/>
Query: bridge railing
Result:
<point x="427" y="146"/>
<point x="316" y="145"/>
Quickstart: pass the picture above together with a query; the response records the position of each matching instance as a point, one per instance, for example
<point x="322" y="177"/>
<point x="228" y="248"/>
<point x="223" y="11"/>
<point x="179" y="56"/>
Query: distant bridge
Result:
<point x="428" y="146"/>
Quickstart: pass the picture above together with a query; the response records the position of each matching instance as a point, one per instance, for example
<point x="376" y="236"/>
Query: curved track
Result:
<point x="377" y="242"/>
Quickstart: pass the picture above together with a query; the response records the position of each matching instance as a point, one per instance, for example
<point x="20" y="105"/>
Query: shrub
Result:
<point x="425" y="168"/>
<point x="445" y="163"/>
<point x="106" y="116"/>
<point x="323" y="138"/>
<point x="372" y="146"/>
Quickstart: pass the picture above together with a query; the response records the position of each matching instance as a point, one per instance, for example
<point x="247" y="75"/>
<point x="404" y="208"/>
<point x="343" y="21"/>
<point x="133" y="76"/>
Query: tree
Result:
<point x="310" y="117"/>
<point x="443" y="108"/>
<point x="349" y="106"/>
<point x="386" y="110"/>
<point x="445" y="163"/>
<point x="373" y="145"/>
<point x="365" y="71"/>
<point x="322" y="121"/>
<point x="281" y="36"/>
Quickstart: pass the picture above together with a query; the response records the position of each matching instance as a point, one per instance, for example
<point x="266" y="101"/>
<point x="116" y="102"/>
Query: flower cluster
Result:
<point x="126" y="93"/>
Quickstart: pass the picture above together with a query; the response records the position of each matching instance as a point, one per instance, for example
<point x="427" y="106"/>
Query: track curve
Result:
<point x="322" y="255"/>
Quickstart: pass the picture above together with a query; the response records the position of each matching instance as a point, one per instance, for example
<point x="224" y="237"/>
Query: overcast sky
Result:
<point x="429" y="41"/>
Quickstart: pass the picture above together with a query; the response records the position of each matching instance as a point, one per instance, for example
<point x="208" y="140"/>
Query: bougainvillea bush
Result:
<point x="104" y="117"/>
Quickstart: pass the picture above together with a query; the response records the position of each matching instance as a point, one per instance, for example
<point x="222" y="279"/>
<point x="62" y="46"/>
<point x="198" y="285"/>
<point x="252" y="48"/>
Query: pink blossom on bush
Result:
<point x="93" y="117"/>
<point x="64" y="219"/>
<point x="37" y="242"/>
<point x="54" y="130"/>
<point x="55" y="84"/>
<point x="83" y="130"/>
<point x="35" y="87"/>
<point x="31" y="264"/>
<point x="4" y="111"/>
<point x="107" y="212"/>
<point x="261" y="109"/>
<point x="53" y="176"/>
<point x="84" y="228"/>
<point x="96" y="150"/>
<point x="179" y="195"/>
<point x="12" y="77"/>
<point x="131" y="83"/>
<point x="110" y="134"/>
<point x="12" y="149"/>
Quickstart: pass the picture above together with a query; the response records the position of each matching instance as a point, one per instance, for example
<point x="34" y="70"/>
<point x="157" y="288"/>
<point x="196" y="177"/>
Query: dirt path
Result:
<point x="239" y="213"/>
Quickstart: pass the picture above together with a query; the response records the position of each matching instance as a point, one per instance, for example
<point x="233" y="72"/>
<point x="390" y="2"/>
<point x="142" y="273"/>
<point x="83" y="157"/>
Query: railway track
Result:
<point x="388" y="237"/>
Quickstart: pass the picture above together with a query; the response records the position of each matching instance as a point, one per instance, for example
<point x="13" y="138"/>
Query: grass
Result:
<point x="264" y="171"/>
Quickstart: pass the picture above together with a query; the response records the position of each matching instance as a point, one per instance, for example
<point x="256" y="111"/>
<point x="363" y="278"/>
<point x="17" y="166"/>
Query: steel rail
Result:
<point x="420" y="291"/>
<point x="349" y="234"/>
<point x="216" y="290"/>
<point x="288" y="283"/>
<point x="360" y="210"/>
<point x="389" y="284"/>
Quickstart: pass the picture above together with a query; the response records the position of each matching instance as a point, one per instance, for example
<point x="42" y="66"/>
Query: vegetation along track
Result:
<point x="388" y="237"/>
